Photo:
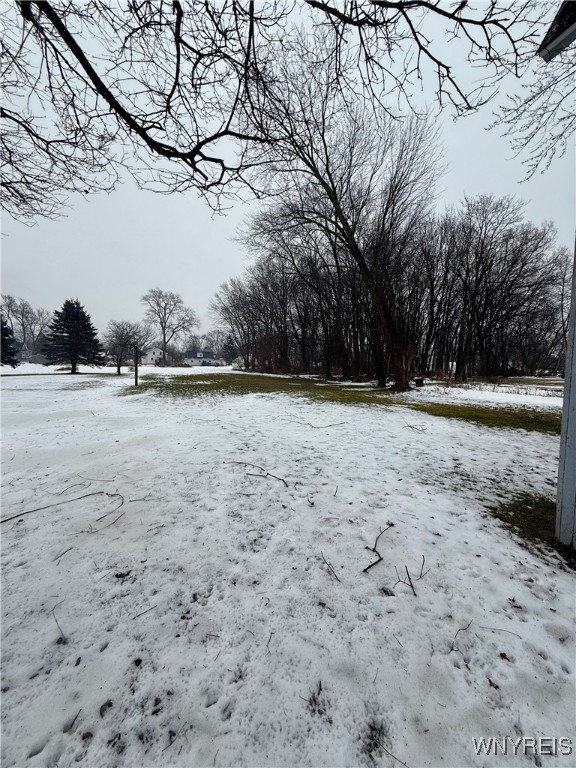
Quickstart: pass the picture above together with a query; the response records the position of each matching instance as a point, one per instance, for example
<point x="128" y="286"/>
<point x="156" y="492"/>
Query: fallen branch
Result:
<point x="391" y="755"/>
<point x="173" y="735"/>
<point x="62" y="553"/>
<point x="143" y="612"/>
<point x="75" y="485"/>
<point x="256" y="466"/>
<point x="422" y="572"/>
<point x="332" y="571"/>
<point x="97" y="530"/>
<point x="63" y="638"/>
<point x="462" y="629"/>
<point x="416" y="427"/>
<point x="68" y="728"/>
<point x="113" y="510"/>
<point x="98" y="479"/>
<point x="59" y="503"/>
<point x="495" y="629"/>
<point x="373" y="549"/>
<point x="404" y="581"/>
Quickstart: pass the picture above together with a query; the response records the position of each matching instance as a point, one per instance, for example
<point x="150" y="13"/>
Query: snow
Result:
<point x="192" y="624"/>
<point x="490" y="395"/>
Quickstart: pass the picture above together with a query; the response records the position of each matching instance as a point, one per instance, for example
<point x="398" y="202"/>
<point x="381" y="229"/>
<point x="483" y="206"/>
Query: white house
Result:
<point x="152" y="357"/>
<point x="202" y="357"/>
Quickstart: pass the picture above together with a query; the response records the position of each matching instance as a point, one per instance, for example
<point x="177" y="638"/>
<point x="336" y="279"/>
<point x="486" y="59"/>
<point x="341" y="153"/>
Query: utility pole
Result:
<point x="135" y="365"/>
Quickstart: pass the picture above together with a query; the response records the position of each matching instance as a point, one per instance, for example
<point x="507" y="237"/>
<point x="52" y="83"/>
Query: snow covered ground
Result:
<point x="190" y="586"/>
<point x="490" y="395"/>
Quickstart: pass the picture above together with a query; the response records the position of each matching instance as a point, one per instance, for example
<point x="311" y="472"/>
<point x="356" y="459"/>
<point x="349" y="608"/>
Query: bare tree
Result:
<point x="9" y="309"/>
<point x="164" y="89"/>
<point x="122" y="336"/>
<point x="26" y="322"/>
<point x="360" y="177"/>
<point x="541" y="119"/>
<point x="166" y="310"/>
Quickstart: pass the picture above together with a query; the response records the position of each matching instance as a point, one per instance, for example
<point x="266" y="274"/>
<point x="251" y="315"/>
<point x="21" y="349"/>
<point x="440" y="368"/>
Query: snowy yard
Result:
<point x="191" y="589"/>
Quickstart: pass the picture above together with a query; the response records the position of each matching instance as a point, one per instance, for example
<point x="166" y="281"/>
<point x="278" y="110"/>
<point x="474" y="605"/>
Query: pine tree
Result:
<point x="229" y="350"/>
<point x="8" y="348"/>
<point x="72" y="338"/>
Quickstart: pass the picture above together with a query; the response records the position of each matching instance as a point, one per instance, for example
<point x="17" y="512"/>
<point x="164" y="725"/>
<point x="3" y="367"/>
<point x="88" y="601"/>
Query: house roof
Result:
<point x="561" y="32"/>
<point x="196" y="352"/>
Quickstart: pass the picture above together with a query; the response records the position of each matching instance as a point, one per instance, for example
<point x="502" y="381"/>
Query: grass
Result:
<point x="247" y="383"/>
<point x="511" y="418"/>
<point x="532" y="517"/>
<point x="238" y="384"/>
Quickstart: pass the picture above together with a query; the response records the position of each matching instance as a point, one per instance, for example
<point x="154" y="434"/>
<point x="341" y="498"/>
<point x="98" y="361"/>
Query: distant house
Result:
<point x="152" y="357"/>
<point x="23" y="354"/>
<point x="202" y="357"/>
<point x="38" y="355"/>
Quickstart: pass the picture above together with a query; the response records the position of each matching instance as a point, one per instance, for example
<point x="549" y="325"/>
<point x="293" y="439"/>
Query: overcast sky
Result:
<point x="110" y="249"/>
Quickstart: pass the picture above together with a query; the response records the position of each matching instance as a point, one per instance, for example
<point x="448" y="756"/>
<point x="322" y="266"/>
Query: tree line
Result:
<point x="355" y="270"/>
<point x="68" y="336"/>
<point x="474" y="291"/>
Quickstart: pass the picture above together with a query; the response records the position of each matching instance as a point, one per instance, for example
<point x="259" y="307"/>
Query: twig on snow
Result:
<point x="256" y="466"/>
<point x="59" y="503"/>
<point x="373" y="549"/>
<point x="416" y="427"/>
<point x="146" y="611"/>
<point x="398" y="641"/>
<point x="113" y="510"/>
<point x="268" y="474"/>
<point x="422" y="572"/>
<point x="495" y="629"/>
<point x="332" y="571"/>
<point x="62" y="553"/>
<point x="98" y="479"/>
<point x="75" y="485"/>
<point x="172" y="735"/>
<point x="68" y="728"/>
<point x="336" y="491"/>
<point x="103" y="527"/>
<point x="462" y="629"/>
<point x="391" y="755"/>
<point x="56" y="620"/>
<point x="408" y="582"/>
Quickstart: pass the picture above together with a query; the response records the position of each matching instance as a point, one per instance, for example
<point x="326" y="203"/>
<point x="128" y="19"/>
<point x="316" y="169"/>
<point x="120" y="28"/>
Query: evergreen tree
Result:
<point x="8" y="348"/>
<point x="72" y="338"/>
<point x="229" y="350"/>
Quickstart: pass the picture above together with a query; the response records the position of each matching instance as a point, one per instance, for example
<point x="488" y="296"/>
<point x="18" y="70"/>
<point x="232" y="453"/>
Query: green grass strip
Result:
<point x="532" y="517"/>
<point x="529" y="419"/>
